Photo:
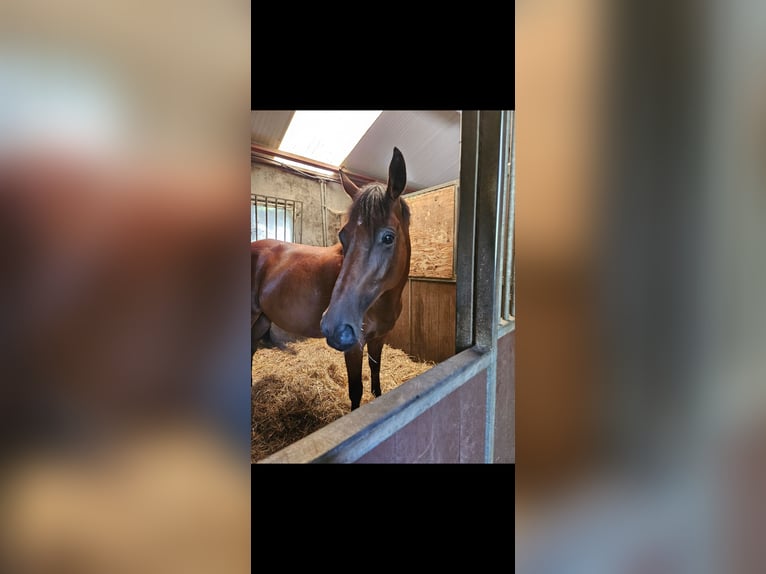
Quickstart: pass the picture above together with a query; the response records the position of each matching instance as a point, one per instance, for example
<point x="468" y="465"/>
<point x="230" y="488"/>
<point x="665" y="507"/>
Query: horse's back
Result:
<point x="292" y="283"/>
<point x="274" y="260"/>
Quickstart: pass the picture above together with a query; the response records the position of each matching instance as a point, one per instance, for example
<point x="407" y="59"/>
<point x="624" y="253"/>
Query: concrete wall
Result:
<point x="276" y="182"/>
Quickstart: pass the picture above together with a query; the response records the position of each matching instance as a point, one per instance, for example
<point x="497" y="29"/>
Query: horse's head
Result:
<point x="376" y="254"/>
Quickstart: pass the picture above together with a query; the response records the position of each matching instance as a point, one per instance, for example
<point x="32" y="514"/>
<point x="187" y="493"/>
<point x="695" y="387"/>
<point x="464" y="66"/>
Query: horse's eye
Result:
<point x="388" y="238"/>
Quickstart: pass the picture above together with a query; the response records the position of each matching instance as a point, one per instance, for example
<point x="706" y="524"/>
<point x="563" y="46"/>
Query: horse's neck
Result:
<point x="331" y="263"/>
<point x="382" y="315"/>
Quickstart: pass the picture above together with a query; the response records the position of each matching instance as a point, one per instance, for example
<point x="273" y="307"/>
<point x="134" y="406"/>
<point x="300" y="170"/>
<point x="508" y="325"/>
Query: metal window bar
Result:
<point x="510" y="278"/>
<point x="276" y="218"/>
<point x="502" y="245"/>
<point x="505" y="291"/>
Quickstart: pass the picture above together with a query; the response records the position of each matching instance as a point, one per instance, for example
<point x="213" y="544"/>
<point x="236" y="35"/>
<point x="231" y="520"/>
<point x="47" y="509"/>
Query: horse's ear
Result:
<point x="397" y="175"/>
<point x="348" y="186"/>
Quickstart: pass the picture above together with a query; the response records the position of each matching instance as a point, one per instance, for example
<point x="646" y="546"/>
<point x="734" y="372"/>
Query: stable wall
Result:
<point x="277" y="182"/>
<point x="426" y="328"/>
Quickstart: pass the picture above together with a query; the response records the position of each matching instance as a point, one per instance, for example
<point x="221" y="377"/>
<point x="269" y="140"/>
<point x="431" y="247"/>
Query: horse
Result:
<point x="349" y="293"/>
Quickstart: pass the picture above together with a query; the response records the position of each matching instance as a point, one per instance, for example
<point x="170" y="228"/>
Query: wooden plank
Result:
<point x="400" y="335"/>
<point x="432" y="233"/>
<point x="432" y="319"/>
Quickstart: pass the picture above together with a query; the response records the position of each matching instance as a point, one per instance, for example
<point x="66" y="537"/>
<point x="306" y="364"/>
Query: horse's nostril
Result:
<point x="345" y="335"/>
<point x="342" y="338"/>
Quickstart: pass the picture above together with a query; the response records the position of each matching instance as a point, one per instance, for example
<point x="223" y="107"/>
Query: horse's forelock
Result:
<point x="372" y="206"/>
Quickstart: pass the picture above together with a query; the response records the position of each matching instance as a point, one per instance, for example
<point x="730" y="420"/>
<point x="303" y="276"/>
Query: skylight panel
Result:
<point x="326" y="136"/>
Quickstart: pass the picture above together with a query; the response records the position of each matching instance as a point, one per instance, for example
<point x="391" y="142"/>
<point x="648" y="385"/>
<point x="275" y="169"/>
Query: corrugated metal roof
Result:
<point x="429" y="141"/>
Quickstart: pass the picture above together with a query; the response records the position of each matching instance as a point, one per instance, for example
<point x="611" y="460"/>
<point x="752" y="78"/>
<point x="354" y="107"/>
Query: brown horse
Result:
<point x="350" y="293"/>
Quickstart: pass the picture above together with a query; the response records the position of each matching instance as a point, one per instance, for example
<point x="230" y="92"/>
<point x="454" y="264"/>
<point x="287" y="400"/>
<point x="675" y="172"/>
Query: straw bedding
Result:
<point x="301" y="386"/>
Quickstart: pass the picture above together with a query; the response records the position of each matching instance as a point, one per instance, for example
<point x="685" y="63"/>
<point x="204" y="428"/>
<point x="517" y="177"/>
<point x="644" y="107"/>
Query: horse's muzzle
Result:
<point x="342" y="339"/>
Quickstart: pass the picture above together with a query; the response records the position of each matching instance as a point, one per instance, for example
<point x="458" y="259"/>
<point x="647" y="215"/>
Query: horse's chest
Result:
<point x="376" y="325"/>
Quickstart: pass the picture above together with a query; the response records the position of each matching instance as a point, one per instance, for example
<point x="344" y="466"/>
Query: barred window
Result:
<point x="275" y="218"/>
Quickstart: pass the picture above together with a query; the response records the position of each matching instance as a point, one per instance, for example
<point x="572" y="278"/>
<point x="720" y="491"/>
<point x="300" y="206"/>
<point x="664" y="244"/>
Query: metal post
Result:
<point x="300" y="239"/>
<point x="284" y="220"/>
<point x="465" y="238"/>
<point x="323" y="196"/>
<point x="489" y="181"/>
<point x="490" y="176"/>
<point x="502" y="245"/>
<point x="508" y="295"/>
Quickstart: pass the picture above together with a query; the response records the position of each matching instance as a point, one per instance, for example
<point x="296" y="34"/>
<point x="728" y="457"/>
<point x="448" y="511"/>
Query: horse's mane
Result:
<point x="372" y="205"/>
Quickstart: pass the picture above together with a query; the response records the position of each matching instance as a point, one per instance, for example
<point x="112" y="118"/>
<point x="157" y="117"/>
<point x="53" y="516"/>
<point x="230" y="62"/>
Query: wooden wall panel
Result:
<point x="432" y="320"/>
<point x="432" y="233"/>
<point x="399" y="336"/>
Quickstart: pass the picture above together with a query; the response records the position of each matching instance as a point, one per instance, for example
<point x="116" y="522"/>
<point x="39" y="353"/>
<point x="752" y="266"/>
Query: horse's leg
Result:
<point x="354" y="370"/>
<point x="258" y="331"/>
<point x="374" y="351"/>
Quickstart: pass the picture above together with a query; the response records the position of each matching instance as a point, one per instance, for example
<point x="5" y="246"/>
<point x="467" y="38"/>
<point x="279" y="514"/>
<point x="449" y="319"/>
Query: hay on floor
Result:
<point x="301" y="386"/>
